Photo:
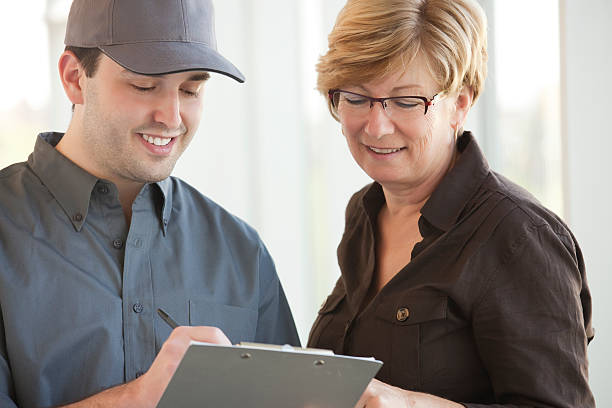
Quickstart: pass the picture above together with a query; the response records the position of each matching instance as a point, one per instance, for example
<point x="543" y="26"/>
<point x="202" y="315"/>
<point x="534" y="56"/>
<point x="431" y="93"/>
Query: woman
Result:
<point x="469" y="290"/>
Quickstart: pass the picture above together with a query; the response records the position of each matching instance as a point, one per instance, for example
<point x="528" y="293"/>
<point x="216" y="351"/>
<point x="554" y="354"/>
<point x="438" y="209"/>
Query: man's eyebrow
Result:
<point x="199" y="77"/>
<point x="132" y="74"/>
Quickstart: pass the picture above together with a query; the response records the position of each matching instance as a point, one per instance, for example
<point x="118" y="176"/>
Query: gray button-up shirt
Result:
<point x="79" y="288"/>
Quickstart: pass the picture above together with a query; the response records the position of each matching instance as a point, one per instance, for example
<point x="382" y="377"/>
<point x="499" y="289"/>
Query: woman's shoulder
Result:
<point x="522" y="206"/>
<point x="518" y="219"/>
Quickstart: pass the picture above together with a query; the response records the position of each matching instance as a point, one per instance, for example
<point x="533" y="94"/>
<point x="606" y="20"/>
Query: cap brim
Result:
<point x="166" y="57"/>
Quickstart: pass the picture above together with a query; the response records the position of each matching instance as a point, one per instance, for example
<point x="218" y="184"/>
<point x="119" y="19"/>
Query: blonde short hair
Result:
<point x="373" y="38"/>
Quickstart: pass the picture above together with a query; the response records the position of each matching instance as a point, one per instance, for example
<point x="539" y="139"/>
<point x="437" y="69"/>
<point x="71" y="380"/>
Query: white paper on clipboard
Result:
<point x="255" y="375"/>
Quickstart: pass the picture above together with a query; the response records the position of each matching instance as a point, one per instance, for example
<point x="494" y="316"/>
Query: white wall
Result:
<point x="586" y="76"/>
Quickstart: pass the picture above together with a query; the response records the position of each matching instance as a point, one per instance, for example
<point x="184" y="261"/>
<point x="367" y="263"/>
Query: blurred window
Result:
<point x="524" y="100"/>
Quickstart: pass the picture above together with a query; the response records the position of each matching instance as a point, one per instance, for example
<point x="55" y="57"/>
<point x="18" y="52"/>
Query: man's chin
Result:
<point x="149" y="177"/>
<point x="155" y="178"/>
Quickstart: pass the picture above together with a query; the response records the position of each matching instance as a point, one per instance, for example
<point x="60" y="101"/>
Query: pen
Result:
<point x="166" y="318"/>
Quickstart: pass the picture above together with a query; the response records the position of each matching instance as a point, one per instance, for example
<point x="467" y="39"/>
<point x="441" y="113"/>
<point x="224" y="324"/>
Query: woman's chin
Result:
<point x="390" y="179"/>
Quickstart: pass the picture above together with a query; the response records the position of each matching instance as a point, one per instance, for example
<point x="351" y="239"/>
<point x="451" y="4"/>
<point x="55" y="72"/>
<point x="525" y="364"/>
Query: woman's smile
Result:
<point x="385" y="150"/>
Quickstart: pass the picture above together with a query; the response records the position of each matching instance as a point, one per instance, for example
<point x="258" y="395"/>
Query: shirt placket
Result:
<point x="138" y="310"/>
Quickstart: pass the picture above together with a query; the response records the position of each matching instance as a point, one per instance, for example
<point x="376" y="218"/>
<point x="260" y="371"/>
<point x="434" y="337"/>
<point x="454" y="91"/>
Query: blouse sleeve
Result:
<point x="7" y="391"/>
<point x="532" y="324"/>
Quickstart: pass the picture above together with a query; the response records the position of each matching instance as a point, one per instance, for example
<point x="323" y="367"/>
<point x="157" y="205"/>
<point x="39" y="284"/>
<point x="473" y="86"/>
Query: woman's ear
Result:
<point x="463" y="104"/>
<point x="71" y="74"/>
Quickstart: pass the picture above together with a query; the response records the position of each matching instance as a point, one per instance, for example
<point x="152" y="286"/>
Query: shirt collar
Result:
<point x="449" y="199"/>
<point x="372" y="202"/>
<point x="72" y="186"/>
<point x="69" y="184"/>
<point x="165" y="186"/>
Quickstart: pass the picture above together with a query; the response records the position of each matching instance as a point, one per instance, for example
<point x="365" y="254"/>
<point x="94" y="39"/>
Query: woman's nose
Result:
<point x="379" y="123"/>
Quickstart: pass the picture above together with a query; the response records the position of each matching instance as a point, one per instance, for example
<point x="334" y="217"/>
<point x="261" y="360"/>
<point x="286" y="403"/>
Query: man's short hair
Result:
<point x="88" y="57"/>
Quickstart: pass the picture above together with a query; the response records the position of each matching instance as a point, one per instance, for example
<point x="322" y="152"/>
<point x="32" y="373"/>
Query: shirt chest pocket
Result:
<point x="328" y="329"/>
<point x="237" y="322"/>
<point x="413" y="309"/>
<point x="413" y="323"/>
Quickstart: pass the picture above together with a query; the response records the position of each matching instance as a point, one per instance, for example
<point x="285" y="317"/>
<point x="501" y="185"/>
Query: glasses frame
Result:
<point x="383" y="101"/>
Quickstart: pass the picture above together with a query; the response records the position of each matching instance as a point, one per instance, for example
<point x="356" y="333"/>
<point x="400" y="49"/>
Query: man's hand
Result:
<point x="155" y="381"/>
<point x="378" y="394"/>
<point x="146" y="391"/>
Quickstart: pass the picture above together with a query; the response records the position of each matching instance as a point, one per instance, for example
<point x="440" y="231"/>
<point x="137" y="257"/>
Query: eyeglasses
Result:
<point x="351" y="104"/>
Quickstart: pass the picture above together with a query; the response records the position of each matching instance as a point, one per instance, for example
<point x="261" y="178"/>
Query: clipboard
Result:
<point x="253" y="375"/>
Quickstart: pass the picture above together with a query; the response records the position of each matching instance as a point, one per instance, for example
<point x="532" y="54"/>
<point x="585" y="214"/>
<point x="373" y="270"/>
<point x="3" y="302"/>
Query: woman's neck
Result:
<point x="406" y="201"/>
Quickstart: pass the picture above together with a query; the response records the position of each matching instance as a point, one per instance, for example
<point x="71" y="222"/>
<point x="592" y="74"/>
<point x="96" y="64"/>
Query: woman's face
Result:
<point x="398" y="152"/>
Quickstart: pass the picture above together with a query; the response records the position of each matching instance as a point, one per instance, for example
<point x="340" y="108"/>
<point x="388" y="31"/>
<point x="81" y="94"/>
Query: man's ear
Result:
<point x="71" y="74"/>
<point x="463" y="104"/>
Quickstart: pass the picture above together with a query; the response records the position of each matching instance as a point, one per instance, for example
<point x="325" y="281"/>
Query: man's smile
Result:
<point x="156" y="140"/>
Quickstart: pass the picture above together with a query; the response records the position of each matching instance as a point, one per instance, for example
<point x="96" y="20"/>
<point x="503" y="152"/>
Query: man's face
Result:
<point x="135" y="127"/>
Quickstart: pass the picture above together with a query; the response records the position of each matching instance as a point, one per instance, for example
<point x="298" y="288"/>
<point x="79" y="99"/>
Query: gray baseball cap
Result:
<point x="150" y="36"/>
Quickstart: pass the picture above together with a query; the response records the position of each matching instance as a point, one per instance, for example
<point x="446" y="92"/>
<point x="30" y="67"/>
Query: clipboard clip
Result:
<point x="285" y="347"/>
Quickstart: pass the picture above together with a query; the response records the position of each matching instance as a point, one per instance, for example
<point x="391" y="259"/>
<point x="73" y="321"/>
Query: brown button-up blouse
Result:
<point x="492" y="310"/>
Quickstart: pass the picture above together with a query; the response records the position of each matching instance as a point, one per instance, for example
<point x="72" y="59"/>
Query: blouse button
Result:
<point x="402" y="314"/>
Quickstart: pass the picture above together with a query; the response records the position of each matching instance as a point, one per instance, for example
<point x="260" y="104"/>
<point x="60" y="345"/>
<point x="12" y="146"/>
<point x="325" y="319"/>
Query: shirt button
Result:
<point x="118" y="244"/>
<point x="139" y="373"/>
<point x="138" y="308"/>
<point x="103" y="189"/>
<point x="402" y="314"/>
<point x="78" y="217"/>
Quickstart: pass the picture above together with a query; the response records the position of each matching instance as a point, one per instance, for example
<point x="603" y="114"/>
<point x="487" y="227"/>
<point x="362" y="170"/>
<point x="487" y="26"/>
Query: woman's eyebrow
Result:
<point x="396" y="89"/>
<point x="403" y="87"/>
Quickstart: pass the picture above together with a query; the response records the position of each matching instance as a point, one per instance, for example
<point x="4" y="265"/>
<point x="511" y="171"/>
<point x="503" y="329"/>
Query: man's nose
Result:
<point x="379" y="123"/>
<point x="168" y="110"/>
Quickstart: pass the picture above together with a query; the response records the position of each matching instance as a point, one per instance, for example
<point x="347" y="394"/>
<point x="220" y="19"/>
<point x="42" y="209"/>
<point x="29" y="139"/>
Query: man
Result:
<point x="95" y="236"/>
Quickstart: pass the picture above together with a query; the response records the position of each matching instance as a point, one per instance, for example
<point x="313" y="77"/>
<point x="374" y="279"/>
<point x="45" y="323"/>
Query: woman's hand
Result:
<point x="378" y="394"/>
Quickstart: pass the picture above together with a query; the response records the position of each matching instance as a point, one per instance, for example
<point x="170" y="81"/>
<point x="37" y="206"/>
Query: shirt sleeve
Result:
<point x="6" y="380"/>
<point x="531" y="325"/>
<point x="275" y="323"/>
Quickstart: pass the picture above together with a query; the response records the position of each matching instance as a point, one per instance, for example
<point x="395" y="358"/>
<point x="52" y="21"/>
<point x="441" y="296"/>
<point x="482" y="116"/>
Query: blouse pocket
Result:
<point x="322" y="334"/>
<point x="408" y="319"/>
<point x="414" y="309"/>
<point x="238" y="323"/>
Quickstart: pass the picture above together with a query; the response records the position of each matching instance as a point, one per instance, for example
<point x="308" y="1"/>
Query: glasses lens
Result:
<point x="350" y="105"/>
<point x="405" y="107"/>
<point x="346" y="103"/>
